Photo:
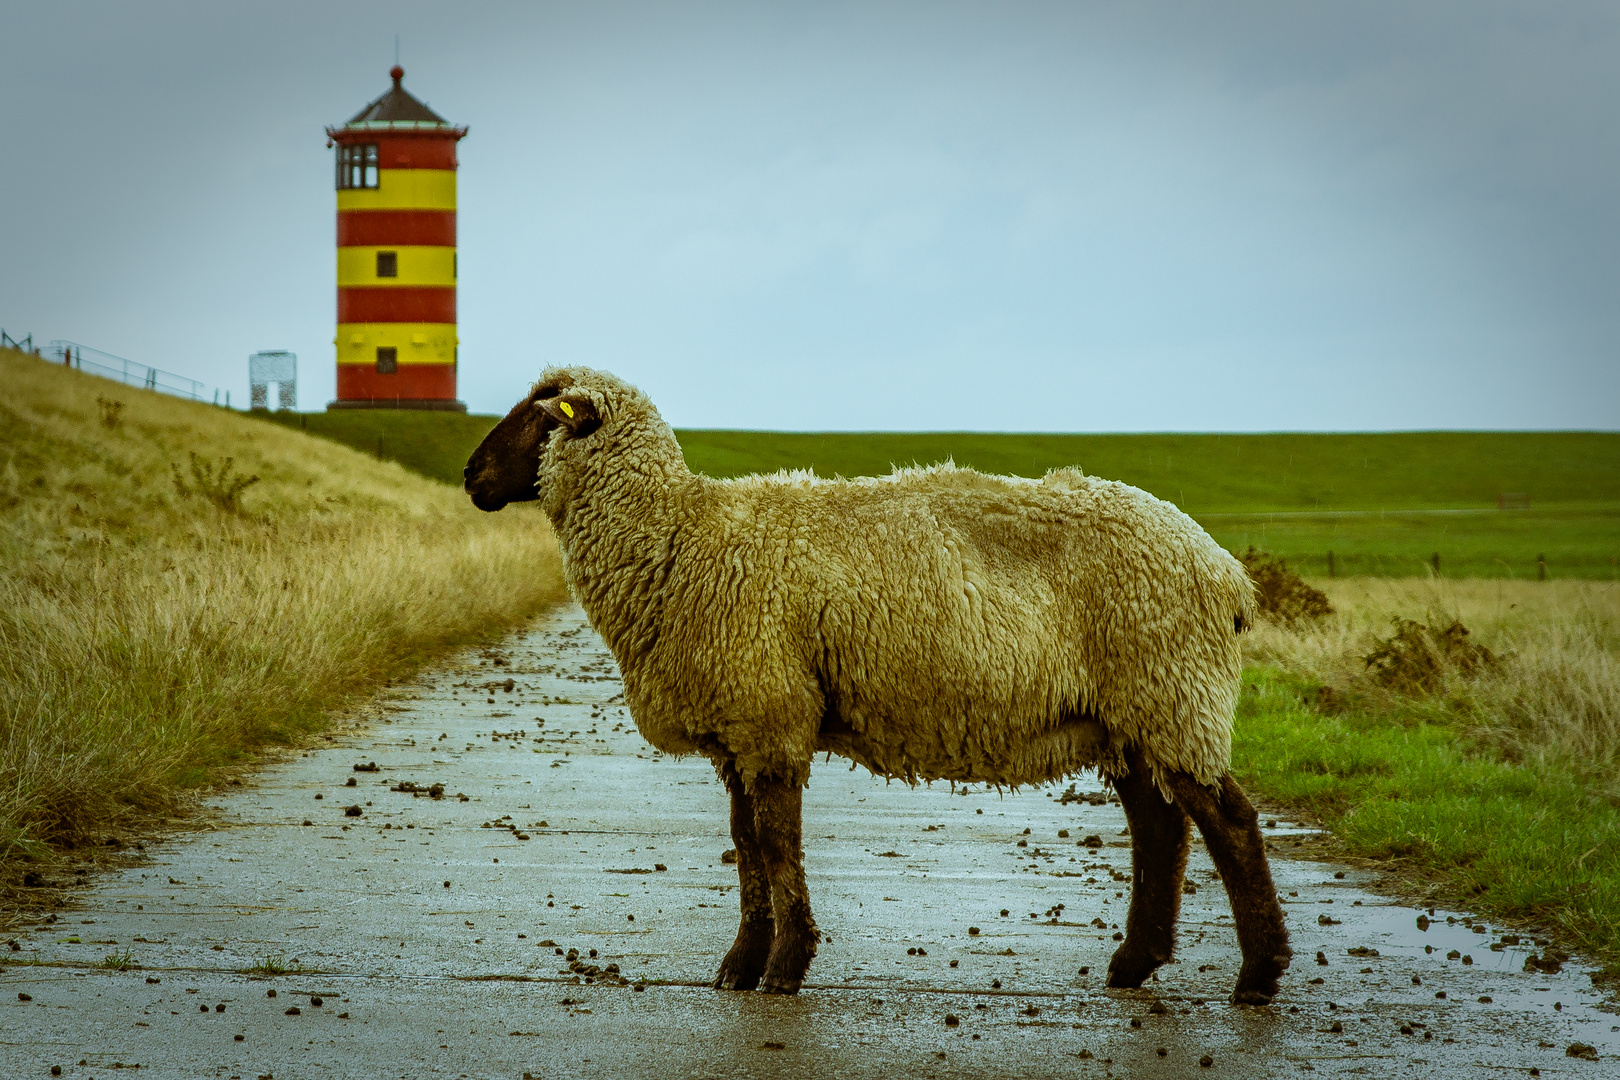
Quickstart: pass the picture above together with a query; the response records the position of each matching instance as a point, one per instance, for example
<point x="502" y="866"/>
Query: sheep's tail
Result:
<point x="1190" y="730"/>
<point x="1248" y="605"/>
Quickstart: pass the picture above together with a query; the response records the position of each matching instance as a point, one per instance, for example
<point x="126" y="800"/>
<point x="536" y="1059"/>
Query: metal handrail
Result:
<point x="130" y="372"/>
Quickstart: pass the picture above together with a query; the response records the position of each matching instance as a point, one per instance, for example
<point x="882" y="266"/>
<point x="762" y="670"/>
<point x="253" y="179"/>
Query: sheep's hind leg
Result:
<point x="1232" y="834"/>
<point x="777" y="825"/>
<point x="1159" y="839"/>
<point x="745" y="963"/>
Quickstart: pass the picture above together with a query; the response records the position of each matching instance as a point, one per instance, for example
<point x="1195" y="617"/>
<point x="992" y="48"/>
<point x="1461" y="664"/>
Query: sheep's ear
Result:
<point x="576" y="413"/>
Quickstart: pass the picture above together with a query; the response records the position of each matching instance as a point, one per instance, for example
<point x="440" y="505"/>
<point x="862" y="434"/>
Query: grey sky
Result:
<point x="1031" y="216"/>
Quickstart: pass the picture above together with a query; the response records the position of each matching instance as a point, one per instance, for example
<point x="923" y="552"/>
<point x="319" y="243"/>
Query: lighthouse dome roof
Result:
<point x="397" y="106"/>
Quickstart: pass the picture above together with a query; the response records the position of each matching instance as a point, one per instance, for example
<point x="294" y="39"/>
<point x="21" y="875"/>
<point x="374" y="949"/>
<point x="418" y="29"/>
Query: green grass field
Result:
<point x="1210" y="474"/>
<point x="1530" y="845"/>
<point x="1576" y="542"/>
<point x="1384" y="504"/>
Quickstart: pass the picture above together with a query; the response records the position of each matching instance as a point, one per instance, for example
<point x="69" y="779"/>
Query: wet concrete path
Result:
<point x="432" y="936"/>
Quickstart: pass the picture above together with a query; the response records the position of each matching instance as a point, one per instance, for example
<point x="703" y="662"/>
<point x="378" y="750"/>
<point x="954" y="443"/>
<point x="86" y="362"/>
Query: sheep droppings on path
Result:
<point x="934" y="624"/>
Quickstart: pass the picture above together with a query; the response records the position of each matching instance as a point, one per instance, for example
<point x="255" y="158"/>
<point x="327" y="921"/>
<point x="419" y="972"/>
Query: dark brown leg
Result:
<point x="745" y="963"/>
<point x="1231" y="831"/>
<point x="776" y="824"/>
<point x="1159" y="838"/>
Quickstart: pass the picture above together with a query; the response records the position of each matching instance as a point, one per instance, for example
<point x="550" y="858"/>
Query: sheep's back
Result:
<point x="964" y="621"/>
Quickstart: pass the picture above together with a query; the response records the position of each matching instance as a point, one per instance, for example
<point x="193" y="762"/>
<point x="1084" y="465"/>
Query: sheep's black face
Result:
<point x="504" y="467"/>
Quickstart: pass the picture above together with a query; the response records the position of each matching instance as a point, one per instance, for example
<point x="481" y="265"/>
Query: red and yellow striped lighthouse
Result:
<point x="396" y="256"/>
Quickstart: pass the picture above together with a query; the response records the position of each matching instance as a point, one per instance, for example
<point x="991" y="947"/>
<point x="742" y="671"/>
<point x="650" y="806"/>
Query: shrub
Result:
<point x="110" y="411"/>
<point x="214" y="483"/>
<point x="1416" y="658"/>
<point x="1283" y="594"/>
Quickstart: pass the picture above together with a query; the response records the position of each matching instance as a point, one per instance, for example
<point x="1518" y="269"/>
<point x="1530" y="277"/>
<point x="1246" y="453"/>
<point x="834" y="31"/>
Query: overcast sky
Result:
<point x="1024" y="216"/>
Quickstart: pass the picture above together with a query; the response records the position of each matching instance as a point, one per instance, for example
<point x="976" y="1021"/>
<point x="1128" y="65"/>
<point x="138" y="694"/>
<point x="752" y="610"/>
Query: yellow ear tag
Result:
<point x="568" y="410"/>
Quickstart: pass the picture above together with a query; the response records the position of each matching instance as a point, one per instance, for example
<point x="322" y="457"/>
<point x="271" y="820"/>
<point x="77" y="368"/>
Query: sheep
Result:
<point x="934" y="624"/>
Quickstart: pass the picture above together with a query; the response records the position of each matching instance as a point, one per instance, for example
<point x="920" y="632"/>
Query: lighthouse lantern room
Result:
<point x="396" y="255"/>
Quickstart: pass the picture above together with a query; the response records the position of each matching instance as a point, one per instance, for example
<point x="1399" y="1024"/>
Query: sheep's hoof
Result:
<point x="746" y="962"/>
<point x="735" y="982"/>
<point x="742" y="968"/>
<point x="1258" y="987"/>
<point x="1129" y="970"/>
<point x="790" y="959"/>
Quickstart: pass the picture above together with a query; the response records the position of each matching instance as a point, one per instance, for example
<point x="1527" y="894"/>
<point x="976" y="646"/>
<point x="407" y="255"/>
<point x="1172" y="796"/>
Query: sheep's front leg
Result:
<point x="777" y="826"/>
<point x="1159" y="840"/>
<point x="745" y="963"/>
<point x="1231" y="831"/>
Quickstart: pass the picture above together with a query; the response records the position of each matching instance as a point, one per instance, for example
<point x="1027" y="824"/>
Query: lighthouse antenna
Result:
<point x="396" y="50"/>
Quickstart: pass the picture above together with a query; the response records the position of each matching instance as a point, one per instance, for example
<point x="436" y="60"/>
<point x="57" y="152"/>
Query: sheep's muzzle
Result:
<point x="504" y="467"/>
<point x="487" y="503"/>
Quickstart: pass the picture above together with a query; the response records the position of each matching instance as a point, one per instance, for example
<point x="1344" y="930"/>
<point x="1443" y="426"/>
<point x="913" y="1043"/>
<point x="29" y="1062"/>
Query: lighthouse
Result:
<point x="396" y="255"/>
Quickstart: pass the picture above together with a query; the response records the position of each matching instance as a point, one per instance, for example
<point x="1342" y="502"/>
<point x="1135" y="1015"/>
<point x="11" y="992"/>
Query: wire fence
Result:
<point x="117" y="368"/>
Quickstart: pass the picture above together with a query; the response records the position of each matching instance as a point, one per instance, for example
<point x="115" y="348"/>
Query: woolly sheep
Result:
<point x="934" y="624"/>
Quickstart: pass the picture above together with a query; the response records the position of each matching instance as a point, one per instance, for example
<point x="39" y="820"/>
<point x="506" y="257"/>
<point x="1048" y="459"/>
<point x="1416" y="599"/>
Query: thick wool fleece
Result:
<point x="937" y="623"/>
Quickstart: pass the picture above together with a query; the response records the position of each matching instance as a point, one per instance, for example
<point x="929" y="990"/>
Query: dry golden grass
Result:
<point x="1551" y="700"/>
<point x="150" y="632"/>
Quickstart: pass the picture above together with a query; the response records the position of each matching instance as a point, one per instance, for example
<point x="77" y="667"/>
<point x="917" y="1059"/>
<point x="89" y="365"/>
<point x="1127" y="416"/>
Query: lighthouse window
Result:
<point x="357" y="167"/>
<point x="388" y="264"/>
<point x="387" y="359"/>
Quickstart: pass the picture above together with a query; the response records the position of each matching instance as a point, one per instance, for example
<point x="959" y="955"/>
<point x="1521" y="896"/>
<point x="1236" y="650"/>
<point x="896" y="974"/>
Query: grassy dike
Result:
<point x="1497" y="789"/>
<point x="1382" y="502"/>
<point x="160" y="618"/>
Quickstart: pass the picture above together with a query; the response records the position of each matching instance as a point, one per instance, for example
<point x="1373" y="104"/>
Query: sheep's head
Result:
<point x="506" y="466"/>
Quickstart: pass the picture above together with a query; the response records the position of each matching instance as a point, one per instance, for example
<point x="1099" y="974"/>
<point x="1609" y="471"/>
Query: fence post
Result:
<point x="1434" y="561"/>
<point x="1330" y="562"/>
<point x="1541" y="567"/>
